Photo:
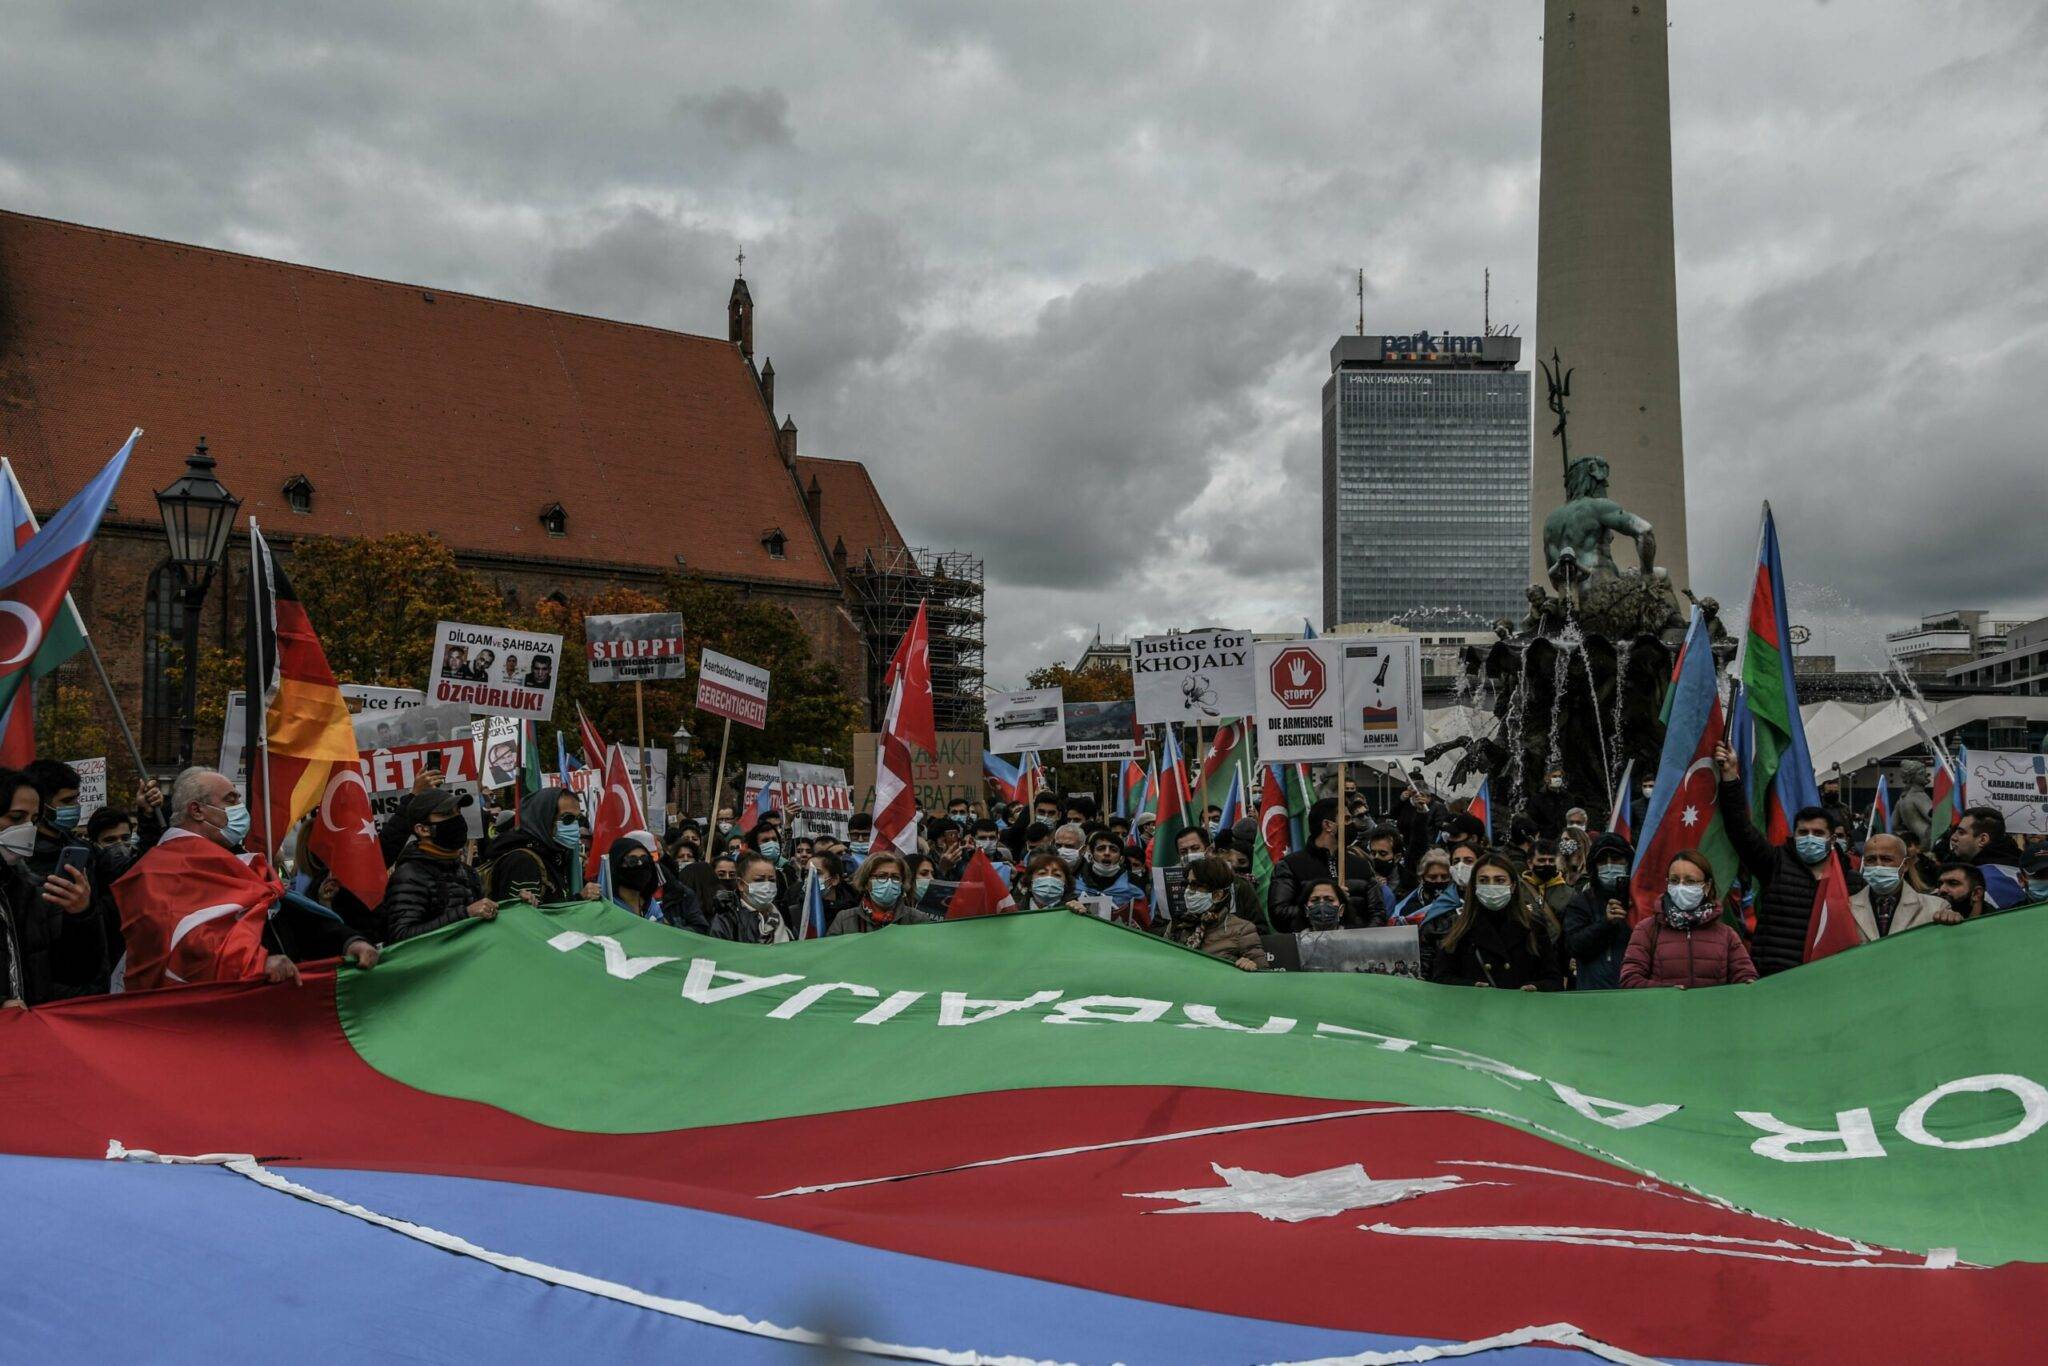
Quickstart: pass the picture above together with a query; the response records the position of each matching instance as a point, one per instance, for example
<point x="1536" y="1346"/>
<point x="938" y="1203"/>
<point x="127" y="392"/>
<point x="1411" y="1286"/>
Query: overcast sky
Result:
<point x="1066" y="276"/>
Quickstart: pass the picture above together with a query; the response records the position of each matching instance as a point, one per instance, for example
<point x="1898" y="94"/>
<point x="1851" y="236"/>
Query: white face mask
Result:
<point x="1068" y="854"/>
<point x="1461" y="873"/>
<point x="17" y="842"/>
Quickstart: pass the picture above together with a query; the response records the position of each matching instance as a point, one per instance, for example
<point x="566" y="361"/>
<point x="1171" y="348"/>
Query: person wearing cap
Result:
<point x="430" y="885"/>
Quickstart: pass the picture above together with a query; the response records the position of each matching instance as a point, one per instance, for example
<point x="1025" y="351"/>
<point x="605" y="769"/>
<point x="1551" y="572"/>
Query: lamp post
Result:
<point x="198" y="514"/>
<point x="680" y="743"/>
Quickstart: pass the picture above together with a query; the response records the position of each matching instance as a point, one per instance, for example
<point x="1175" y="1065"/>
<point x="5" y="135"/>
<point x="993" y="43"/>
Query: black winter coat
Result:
<point x="518" y="861"/>
<point x="1596" y="943"/>
<point x="1785" y="890"/>
<point x="1495" y="952"/>
<point x="425" y="893"/>
<point x="1291" y="879"/>
<point x="732" y="920"/>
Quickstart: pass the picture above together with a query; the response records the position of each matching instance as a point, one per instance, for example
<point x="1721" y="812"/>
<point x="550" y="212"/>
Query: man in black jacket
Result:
<point x="1788" y="875"/>
<point x="430" y="886"/>
<point x="1596" y="928"/>
<point x="1318" y="862"/>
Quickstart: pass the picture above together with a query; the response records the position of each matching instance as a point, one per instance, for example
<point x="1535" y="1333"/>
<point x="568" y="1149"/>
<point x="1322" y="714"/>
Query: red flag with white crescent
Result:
<point x="618" y="805"/>
<point x="193" y="912"/>
<point x="344" y="837"/>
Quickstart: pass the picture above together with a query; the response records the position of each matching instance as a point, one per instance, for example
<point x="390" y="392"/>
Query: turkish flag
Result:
<point x="618" y="811"/>
<point x="1830" y="928"/>
<point x="344" y="837"/>
<point x="982" y="891"/>
<point x="193" y="912"/>
<point x="912" y="664"/>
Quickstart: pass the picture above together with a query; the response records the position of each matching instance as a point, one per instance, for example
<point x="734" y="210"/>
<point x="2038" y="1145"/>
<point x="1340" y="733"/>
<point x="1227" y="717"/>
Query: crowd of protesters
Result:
<point x="1545" y="906"/>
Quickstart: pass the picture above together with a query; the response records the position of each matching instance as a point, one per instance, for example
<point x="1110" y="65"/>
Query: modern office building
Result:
<point x="1425" y="478"/>
<point x="1606" y="292"/>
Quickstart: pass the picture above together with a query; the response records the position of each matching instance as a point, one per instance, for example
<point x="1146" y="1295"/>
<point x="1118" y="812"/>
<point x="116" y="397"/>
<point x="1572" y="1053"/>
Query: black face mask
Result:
<point x="639" y="877"/>
<point x="449" y="834"/>
<point x="1959" y="904"/>
<point x="1433" y="890"/>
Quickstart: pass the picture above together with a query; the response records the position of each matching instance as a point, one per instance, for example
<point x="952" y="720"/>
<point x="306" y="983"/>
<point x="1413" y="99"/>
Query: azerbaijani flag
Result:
<point x="1008" y="778"/>
<point x="1617" y="818"/>
<point x="1301" y="795"/>
<point x="1173" y="804"/>
<point x="1685" y="809"/>
<point x="64" y="638"/>
<point x="1781" y="769"/>
<point x="811" y="924"/>
<point x="1272" y="845"/>
<point x="35" y="581"/>
<point x="1880" y="809"/>
<point x="1233" y="800"/>
<point x="1480" y="807"/>
<point x="1945" y="802"/>
<point x="573" y="1134"/>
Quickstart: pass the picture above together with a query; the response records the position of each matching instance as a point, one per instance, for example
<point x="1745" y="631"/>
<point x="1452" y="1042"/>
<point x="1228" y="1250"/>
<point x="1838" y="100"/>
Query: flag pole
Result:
<point x="1343" y="890"/>
<point x="259" y="700"/>
<point x="646" y="769"/>
<point x="717" y="782"/>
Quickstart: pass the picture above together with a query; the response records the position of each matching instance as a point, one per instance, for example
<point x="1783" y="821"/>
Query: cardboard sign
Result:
<point x="1198" y="676"/>
<point x="379" y="716"/>
<point x="732" y="688"/>
<point x="494" y="670"/>
<point x="760" y="778"/>
<point x="653" y="793"/>
<point x="640" y="647"/>
<point x="1299" y="700"/>
<point x="1100" y="732"/>
<point x="1034" y="719"/>
<point x="1382" y="684"/>
<point x="953" y="773"/>
<point x="389" y="771"/>
<point x="816" y="800"/>
<point x="2012" y="782"/>
<point x="92" y="788"/>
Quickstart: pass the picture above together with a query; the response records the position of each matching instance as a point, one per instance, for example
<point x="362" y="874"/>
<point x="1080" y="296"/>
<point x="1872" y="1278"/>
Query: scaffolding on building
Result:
<point x="886" y="586"/>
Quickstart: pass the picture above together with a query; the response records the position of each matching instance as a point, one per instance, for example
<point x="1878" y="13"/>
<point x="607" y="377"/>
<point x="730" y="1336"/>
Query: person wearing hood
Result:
<point x="1686" y="943"/>
<point x="639" y="884"/>
<point x="1596" y="928"/>
<point x="1203" y="920"/>
<point x="749" y="913"/>
<point x="1498" y="938"/>
<point x="884" y="886"/>
<point x="430" y="885"/>
<point x="541" y="859"/>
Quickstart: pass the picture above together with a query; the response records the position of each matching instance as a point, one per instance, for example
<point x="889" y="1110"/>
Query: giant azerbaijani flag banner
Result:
<point x="570" y="1134"/>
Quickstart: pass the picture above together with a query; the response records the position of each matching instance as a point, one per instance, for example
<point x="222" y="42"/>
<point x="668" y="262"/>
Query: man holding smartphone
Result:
<point x="61" y="868"/>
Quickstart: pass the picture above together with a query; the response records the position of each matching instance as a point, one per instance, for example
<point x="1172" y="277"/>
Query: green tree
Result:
<point x="1096" y="683"/>
<point x="375" y="602"/>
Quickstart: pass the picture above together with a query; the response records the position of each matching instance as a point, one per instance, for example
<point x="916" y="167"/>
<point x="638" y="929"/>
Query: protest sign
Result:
<point x="1018" y="721"/>
<point x="816" y="800"/>
<point x="1169" y="887"/>
<point x="2015" y="783"/>
<point x="501" y="749"/>
<point x="763" y="787"/>
<point x="1300" y="700"/>
<point x="494" y="670"/>
<point x="1100" y="732"/>
<point x="732" y="688"/>
<point x="396" y="748"/>
<point x="92" y="788"/>
<point x="951" y="773"/>
<point x="362" y="697"/>
<point x="656" y="785"/>
<point x="1393" y="950"/>
<point x="636" y="648"/>
<point x="1382" y="678"/>
<point x="1195" y="676"/>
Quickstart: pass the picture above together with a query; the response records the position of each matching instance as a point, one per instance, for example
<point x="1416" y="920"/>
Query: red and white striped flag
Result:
<point x="909" y="722"/>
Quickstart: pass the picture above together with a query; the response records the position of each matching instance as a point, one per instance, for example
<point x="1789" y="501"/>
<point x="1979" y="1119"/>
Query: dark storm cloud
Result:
<point x="1066" y="274"/>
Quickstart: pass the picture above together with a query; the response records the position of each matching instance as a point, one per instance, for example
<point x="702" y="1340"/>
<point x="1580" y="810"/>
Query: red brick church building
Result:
<point x="550" y="451"/>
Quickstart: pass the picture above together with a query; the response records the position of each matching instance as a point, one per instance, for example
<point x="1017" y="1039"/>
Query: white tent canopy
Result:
<point x="1889" y="729"/>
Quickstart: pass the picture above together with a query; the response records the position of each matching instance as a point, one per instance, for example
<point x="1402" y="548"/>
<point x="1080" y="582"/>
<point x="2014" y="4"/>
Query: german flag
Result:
<point x="300" y="736"/>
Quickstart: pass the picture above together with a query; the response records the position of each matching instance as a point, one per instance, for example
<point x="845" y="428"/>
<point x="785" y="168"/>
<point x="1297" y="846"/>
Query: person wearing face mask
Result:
<point x="1888" y="903"/>
<point x="1194" y="843"/>
<point x="1318" y="859"/>
<point x="925" y="893"/>
<point x="1203" y="921"/>
<point x="1383" y="858"/>
<point x="1549" y="802"/>
<point x="1572" y="847"/>
<point x="1596" y="928"/>
<point x="1069" y="846"/>
<point x="1105" y="875"/>
<point x="641" y="885"/>
<point x="1323" y="907"/>
<point x="196" y="908"/>
<point x="887" y="897"/>
<point x="1498" y="938"/>
<point x="988" y="839"/>
<point x="58" y="836"/>
<point x="860" y="839"/>
<point x="1787" y="875"/>
<point x="541" y="859"/>
<point x="1046" y="884"/>
<point x="2034" y="877"/>
<point x="950" y="851"/>
<point x="1435" y="894"/>
<point x="1686" y="943"/>
<point x="432" y="886"/>
<point x="1961" y="888"/>
<point x="749" y="913"/>
<point x="49" y="948"/>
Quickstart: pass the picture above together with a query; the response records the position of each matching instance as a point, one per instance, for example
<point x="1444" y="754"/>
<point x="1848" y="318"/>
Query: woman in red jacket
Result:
<point x="1686" y="944"/>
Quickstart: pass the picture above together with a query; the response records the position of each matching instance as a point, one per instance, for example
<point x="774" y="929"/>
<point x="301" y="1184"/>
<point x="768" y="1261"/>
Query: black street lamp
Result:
<point x="198" y="514"/>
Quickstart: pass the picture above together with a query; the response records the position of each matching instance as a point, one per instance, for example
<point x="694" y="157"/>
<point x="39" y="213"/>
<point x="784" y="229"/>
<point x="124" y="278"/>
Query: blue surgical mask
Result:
<point x="886" y="892"/>
<point x="237" y="828"/>
<point x="1810" y="848"/>
<point x="1197" y="901"/>
<point x="568" y="833"/>
<point x="1046" y="891"/>
<point x="1684" y="896"/>
<point x="1613" y="875"/>
<point x="64" y="817"/>
<point x="858" y="848"/>
<point x="771" y="849"/>
<point x="1882" y="879"/>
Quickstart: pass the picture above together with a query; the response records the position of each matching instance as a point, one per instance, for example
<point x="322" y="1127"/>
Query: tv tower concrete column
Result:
<point x="1606" y="298"/>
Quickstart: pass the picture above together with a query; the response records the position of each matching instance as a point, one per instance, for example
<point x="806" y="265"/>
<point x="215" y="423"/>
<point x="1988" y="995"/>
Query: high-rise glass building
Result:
<point x="1425" y="478"/>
